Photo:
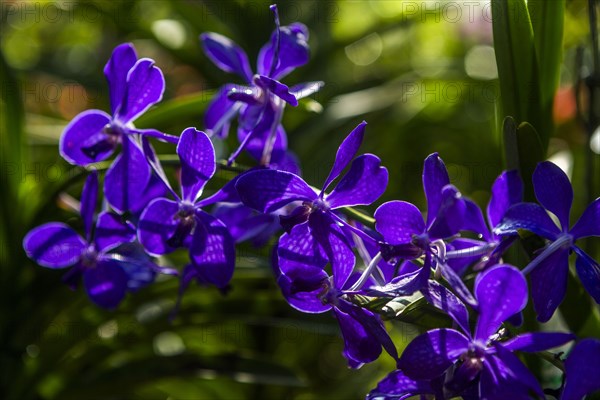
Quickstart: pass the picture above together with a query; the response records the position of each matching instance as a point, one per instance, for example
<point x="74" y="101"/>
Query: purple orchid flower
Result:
<point x="501" y="291"/>
<point x="308" y="288"/>
<point x="407" y="235"/>
<point x="92" y="136"/>
<point x="109" y="261"/>
<point x="260" y="105"/>
<point x="166" y="225"/>
<point x="582" y="370"/>
<point x="549" y="270"/>
<point x="267" y="190"/>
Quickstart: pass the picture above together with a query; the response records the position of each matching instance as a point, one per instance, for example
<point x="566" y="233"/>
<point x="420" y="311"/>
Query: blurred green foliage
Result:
<point x="423" y="75"/>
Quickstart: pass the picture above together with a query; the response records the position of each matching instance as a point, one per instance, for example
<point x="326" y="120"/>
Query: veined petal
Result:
<point x="450" y="214"/>
<point x="549" y="283"/>
<point x="582" y="370"/>
<point x="213" y="250"/>
<point x="501" y="292"/>
<point x="507" y="190"/>
<point x="554" y="191"/>
<point x="89" y="125"/>
<point x="306" y="89"/>
<point x="111" y="231"/>
<point x="537" y="341"/>
<point x="226" y="54"/>
<point x="430" y="354"/>
<point x="123" y="58"/>
<point x="277" y="88"/>
<point x="268" y="190"/>
<point x="53" y="245"/>
<point x="589" y="273"/>
<point x="363" y="184"/>
<point x="89" y="196"/>
<point x="442" y="298"/>
<point x="197" y="156"/>
<point x="435" y="177"/>
<point x="589" y="222"/>
<point x="220" y="112"/>
<point x="528" y="216"/>
<point x="106" y="283"/>
<point x="398" y="221"/>
<point x="157" y="225"/>
<point x="334" y="244"/>
<point x="127" y="178"/>
<point x="299" y="251"/>
<point x="346" y="152"/>
<point x="145" y="87"/>
<point x="293" y="51"/>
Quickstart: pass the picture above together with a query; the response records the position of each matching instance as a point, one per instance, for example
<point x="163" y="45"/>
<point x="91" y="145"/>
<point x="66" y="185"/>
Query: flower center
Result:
<point x="89" y="257"/>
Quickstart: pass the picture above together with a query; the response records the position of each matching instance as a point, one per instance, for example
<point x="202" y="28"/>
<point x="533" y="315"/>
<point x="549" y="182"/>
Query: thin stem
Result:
<point x="367" y="272"/>
<point x="471" y="251"/>
<point x="557" y="244"/>
<point x="359" y="216"/>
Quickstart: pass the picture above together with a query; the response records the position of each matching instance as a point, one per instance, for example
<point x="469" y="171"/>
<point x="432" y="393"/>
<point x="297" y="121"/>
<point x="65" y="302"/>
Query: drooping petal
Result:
<point x="549" y="283"/>
<point x="260" y="135"/>
<point x="435" y="177"/>
<point x="156" y="166"/>
<point x="197" y="156"/>
<point x="528" y="216"/>
<point x="220" y="112"/>
<point x="85" y="132"/>
<point x="507" y="190"/>
<point x="359" y="345"/>
<point x="501" y="292"/>
<point x="473" y="220"/>
<point x="106" y="283"/>
<point x="588" y="271"/>
<point x="303" y="284"/>
<point x="537" y="341"/>
<point x="398" y="221"/>
<point x="398" y="386"/>
<point x="268" y="190"/>
<point x="227" y="194"/>
<point x="582" y="370"/>
<point x="346" y="153"/>
<point x="457" y="284"/>
<point x="155" y="133"/>
<point x="137" y="264"/>
<point x="123" y="58"/>
<point x="277" y="88"/>
<point x="334" y="244"/>
<point x="442" y="298"/>
<point x="89" y="196"/>
<point x="293" y="51"/>
<point x="589" y="222"/>
<point x="157" y="225"/>
<point x="53" y="245"/>
<point x="505" y="377"/>
<point x="432" y="353"/>
<point x="127" y="178"/>
<point x="226" y="54"/>
<point x="306" y="89"/>
<point x="554" y="191"/>
<point x="145" y="87"/>
<point x="213" y="250"/>
<point x="243" y="222"/>
<point x="111" y="231"/>
<point x="363" y="184"/>
<point x="450" y="214"/>
<point x="403" y="285"/>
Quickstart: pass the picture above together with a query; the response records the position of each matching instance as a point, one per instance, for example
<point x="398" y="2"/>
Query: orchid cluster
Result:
<point x="329" y="256"/>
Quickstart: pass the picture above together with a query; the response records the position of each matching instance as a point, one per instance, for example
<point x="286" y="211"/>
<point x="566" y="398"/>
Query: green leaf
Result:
<point x="547" y="18"/>
<point x="517" y="61"/>
<point x="524" y="150"/>
<point x="190" y="106"/>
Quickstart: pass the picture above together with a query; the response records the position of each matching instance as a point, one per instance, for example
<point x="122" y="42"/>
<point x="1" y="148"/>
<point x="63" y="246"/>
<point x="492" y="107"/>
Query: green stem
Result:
<point x="553" y="359"/>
